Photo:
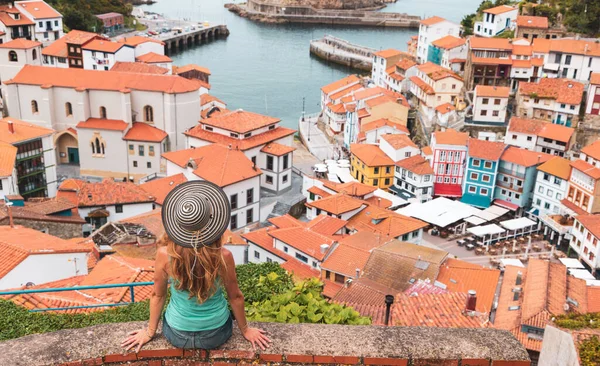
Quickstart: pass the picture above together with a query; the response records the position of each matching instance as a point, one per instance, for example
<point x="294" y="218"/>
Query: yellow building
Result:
<point x="372" y="166"/>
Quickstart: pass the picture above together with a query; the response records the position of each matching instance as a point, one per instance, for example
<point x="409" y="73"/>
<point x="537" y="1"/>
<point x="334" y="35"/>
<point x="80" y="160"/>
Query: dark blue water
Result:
<point x="268" y="69"/>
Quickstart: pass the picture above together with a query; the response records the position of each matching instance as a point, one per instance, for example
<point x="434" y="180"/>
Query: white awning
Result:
<point x="553" y="67"/>
<point x="511" y="262"/>
<point x="485" y="230"/>
<point x="571" y="263"/>
<point x="440" y="211"/>
<point x="583" y="274"/>
<point x="496" y="210"/>
<point x="516" y="224"/>
<point x="475" y="220"/>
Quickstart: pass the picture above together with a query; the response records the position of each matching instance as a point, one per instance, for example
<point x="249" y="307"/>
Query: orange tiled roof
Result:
<point x="337" y="204"/>
<point x="349" y="89"/>
<point x="103" y="46"/>
<point x="592" y="150"/>
<point x="9" y="21"/>
<point x="244" y="144"/>
<point x="384" y="222"/>
<point x="399" y="141"/>
<point x="240" y="121"/>
<point x="104" y="124"/>
<point x="405" y="64"/>
<point x="432" y="20"/>
<point x="273" y="148"/>
<point x="363" y="291"/>
<point x="190" y="67"/>
<point x="21" y="44"/>
<point x="371" y="155"/>
<point x="592" y="223"/>
<point x="208" y="98"/>
<point x="573" y="46"/>
<point x="57" y="48"/>
<point x="488" y="150"/>
<point x="419" y="83"/>
<point x="586" y="168"/>
<point x="40" y="10"/>
<point x="23" y="131"/>
<point x="390" y="52"/>
<point x="107" y="192"/>
<point x="336" y="85"/>
<point x="416" y="164"/>
<point x="448" y="42"/>
<point x="427" y="150"/>
<point x="355" y="189"/>
<point x="141" y="131"/>
<point x="436" y="72"/>
<point x="595" y="78"/>
<point x="490" y="43"/>
<point x="562" y="90"/>
<point x="532" y="22"/>
<point x="153" y="58"/>
<point x="8" y="156"/>
<point x="138" y="67"/>
<point x="492" y="91"/>
<point x="451" y="137"/>
<point x="346" y="260"/>
<point x="216" y="163"/>
<point x="80" y="37"/>
<point x="521" y="50"/>
<point x="303" y="239"/>
<point x="138" y="40"/>
<point x="445" y="108"/>
<point x="526" y="125"/>
<point x="319" y="192"/>
<point x="499" y="9"/>
<point x="43" y="211"/>
<point x="524" y="157"/>
<point x="557" y="166"/>
<point x="331" y="288"/>
<point x="382" y="99"/>
<point x="91" y="79"/>
<point x="339" y="108"/>
<point x="161" y="187"/>
<point x="366" y="127"/>
<point x="299" y="270"/>
<point x="286" y="221"/>
<point x="326" y="225"/>
<point x="364" y="240"/>
<point x="379" y="202"/>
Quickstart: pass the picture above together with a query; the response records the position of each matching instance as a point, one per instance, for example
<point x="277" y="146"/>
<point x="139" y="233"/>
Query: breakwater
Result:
<point x="342" y="52"/>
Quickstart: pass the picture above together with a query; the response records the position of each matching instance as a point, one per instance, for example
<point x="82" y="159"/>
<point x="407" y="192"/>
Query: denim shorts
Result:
<point x="205" y="339"/>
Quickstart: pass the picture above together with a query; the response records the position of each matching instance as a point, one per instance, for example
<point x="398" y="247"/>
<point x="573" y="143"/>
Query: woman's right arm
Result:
<point x="255" y="336"/>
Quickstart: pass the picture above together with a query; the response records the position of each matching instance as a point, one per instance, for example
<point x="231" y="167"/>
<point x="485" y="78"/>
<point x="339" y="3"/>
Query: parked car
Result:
<point x="152" y="33"/>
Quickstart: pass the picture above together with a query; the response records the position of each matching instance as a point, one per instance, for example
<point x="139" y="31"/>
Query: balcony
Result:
<point x="512" y="173"/>
<point x="511" y="186"/>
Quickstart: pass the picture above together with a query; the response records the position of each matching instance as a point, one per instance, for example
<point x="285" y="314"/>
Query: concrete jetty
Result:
<point x="342" y="52"/>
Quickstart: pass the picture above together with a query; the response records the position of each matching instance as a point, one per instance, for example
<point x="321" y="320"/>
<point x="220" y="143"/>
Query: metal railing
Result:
<point x="77" y="288"/>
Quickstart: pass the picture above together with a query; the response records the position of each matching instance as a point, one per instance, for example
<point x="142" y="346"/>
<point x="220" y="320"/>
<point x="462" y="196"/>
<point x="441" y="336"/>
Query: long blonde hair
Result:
<point x="195" y="270"/>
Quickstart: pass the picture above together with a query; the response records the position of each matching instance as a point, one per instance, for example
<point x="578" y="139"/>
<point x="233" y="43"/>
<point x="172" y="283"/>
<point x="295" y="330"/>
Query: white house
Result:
<point x="430" y="30"/>
<point x="413" y="179"/>
<point x="144" y="45"/>
<point x="592" y="106"/>
<point x="496" y="20"/>
<point x="228" y="168"/>
<point x="586" y="234"/>
<point x="48" y="22"/>
<point x="490" y="104"/>
<point x="17" y="53"/>
<point x="37" y="258"/>
<point x="538" y="135"/>
<point x="373" y="131"/>
<point x="551" y="187"/>
<point x="398" y="146"/>
<point x="382" y="61"/>
<point x="102" y="55"/>
<point x="433" y="86"/>
<point x="569" y="58"/>
<point x="337" y="86"/>
<point x="105" y="201"/>
<point x="449" y="52"/>
<point x="15" y="24"/>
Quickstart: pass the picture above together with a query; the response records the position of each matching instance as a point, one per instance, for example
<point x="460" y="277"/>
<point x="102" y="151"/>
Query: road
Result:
<point x="317" y="141"/>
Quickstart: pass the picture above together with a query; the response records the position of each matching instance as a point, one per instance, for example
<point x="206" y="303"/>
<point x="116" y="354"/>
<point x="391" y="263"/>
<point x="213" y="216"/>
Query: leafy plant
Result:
<point x="589" y="352"/>
<point x="259" y="282"/>
<point x="578" y="321"/>
<point x="304" y="304"/>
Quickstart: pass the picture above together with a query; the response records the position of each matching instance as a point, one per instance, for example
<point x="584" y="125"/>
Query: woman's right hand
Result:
<point x="257" y="337"/>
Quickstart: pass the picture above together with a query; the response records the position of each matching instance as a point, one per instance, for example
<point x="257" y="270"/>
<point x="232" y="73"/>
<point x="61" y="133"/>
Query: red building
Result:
<point x="448" y="163"/>
<point x="112" y="21"/>
<point x="593" y="102"/>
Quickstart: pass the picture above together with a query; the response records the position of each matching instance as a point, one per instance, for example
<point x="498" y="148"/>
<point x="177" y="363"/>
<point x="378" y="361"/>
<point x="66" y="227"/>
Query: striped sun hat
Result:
<point x="196" y="214"/>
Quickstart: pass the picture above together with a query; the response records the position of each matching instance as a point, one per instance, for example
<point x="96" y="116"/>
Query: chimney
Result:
<point x="357" y="273"/>
<point x="324" y="248"/>
<point x="11" y="127"/>
<point x="471" y="301"/>
<point x="10" y="216"/>
<point x="389" y="300"/>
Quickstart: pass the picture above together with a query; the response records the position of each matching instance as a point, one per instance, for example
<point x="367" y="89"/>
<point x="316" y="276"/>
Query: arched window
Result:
<point x="93" y="148"/>
<point x="34" y="54"/>
<point x="148" y="114"/>
<point x="103" y="112"/>
<point x="34" y="107"/>
<point x="103" y="148"/>
<point x="68" y="109"/>
<point x="98" y="146"/>
<point x="12" y="56"/>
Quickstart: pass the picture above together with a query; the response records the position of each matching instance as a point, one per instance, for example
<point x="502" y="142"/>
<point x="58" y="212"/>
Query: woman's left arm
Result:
<point x="157" y="302"/>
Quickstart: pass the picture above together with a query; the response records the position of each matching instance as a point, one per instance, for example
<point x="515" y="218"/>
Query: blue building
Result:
<point x="516" y="178"/>
<point x="483" y="160"/>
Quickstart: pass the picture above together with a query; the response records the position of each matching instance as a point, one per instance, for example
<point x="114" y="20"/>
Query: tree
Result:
<point x="546" y="11"/>
<point x="468" y="23"/>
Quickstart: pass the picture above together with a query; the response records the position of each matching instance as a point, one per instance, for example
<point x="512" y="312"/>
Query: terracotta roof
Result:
<point x="487" y="150"/>
<point x="379" y="202"/>
<point x="141" y="131"/>
<point x="303" y="239"/>
<point x="244" y="144"/>
<point x="21" y="44"/>
<point x="92" y="79"/>
<point x="371" y="155"/>
<point x="382" y="99"/>
<point x="557" y="166"/>
<point x="490" y="43"/>
<point x="595" y="78"/>
<point x="448" y="42"/>
<point x="161" y="187"/>
<point x="286" y="221"/>
<point x="565" y="45"/>
<point x="349" y="89"/>
<point x="427" y="150"/>
<point x="562" y="90"/>
<point x="432" y="20"/>
<point x="593" y="295"/>
<point x="346" y="260"/>
<point x="276" y="149"/>
<point x="416" y="164"/>
<point x="299" y="270"/>
<point x="8" y="156"/>
<point x="107" y="192"/>
<point x="424" y="287"/>
<point x="405" y="64"/>
<point x="262" y="238"/>
<point x="57" y="48"/>
<point x="399" y="141"/>
<point x="240" y="121"/>
<point x="451" y="137"/>
<point x="9" y="21"/>
<point x="152" y="221"/>
<point x="17" y="243"/>
<point x="571" y="206"/>
<point x="104" y="124"/>
<point x="337" y="204"/>
<point x="336" y="85"/>
<point x="153" y="58"/>
<point x="339" y="108"/>
<point x="364" y="240"/>
<point x="532" y="22"/>
<point x="524" y="157"/>
<point x="445" y="108"/>
<point x="591" y="222"/>
<point x="586" y="168"/>
<point x="436" y="72"/>
<point x="365" y="127"/>
<point x="390" y="52"/>
<point x="138" y="40"/>
<point x="216" y="163"/>
<point x="363" y="291"/>
<point x="326" y="225"/>
<point x="521" y="50"/>
<point x="526" y="125"/>
<point x="80" y="37"/>
<point x="499" y="9"/>
<point x="46" y="211"/>
<point x="139" y="67"/>
<point x="208" y="98"/>
<point x="592" y="150"/>
<point x="459" y="276"/>
<point x="354" y="189"/>
<point x="384" y="222"/>
<point x="103" y="46"/>
<point x="40" y="10"/>
<point x="190" y="67"/>
<point x="319" y="192"/>
<point x="492" y="91"/>
<point x="23" y="131"/>
<point x="397" y="77"/>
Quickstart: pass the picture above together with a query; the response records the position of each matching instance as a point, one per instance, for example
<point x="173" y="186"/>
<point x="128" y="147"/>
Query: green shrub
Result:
<point x="578" y="321"/>
<point x="589" y="352"/>
<point x="259" y="282"/>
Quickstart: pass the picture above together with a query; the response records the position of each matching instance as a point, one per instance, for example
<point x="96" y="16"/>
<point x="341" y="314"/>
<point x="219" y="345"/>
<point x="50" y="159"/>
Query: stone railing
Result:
<point x="292" y="344"/>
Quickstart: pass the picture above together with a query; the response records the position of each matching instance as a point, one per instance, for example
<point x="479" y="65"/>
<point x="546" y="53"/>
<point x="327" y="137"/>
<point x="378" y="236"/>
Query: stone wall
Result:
<point x="330" y="4"/>
<point x="63" y="230"/>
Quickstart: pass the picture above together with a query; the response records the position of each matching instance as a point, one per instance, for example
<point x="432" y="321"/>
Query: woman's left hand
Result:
<point x="136" y="338"/>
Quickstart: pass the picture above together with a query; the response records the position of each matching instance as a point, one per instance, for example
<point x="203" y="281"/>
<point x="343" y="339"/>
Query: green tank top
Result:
<point x="189" y="315"/>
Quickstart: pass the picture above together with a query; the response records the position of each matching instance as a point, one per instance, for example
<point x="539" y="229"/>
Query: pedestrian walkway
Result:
<point x="316" y="140"/>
